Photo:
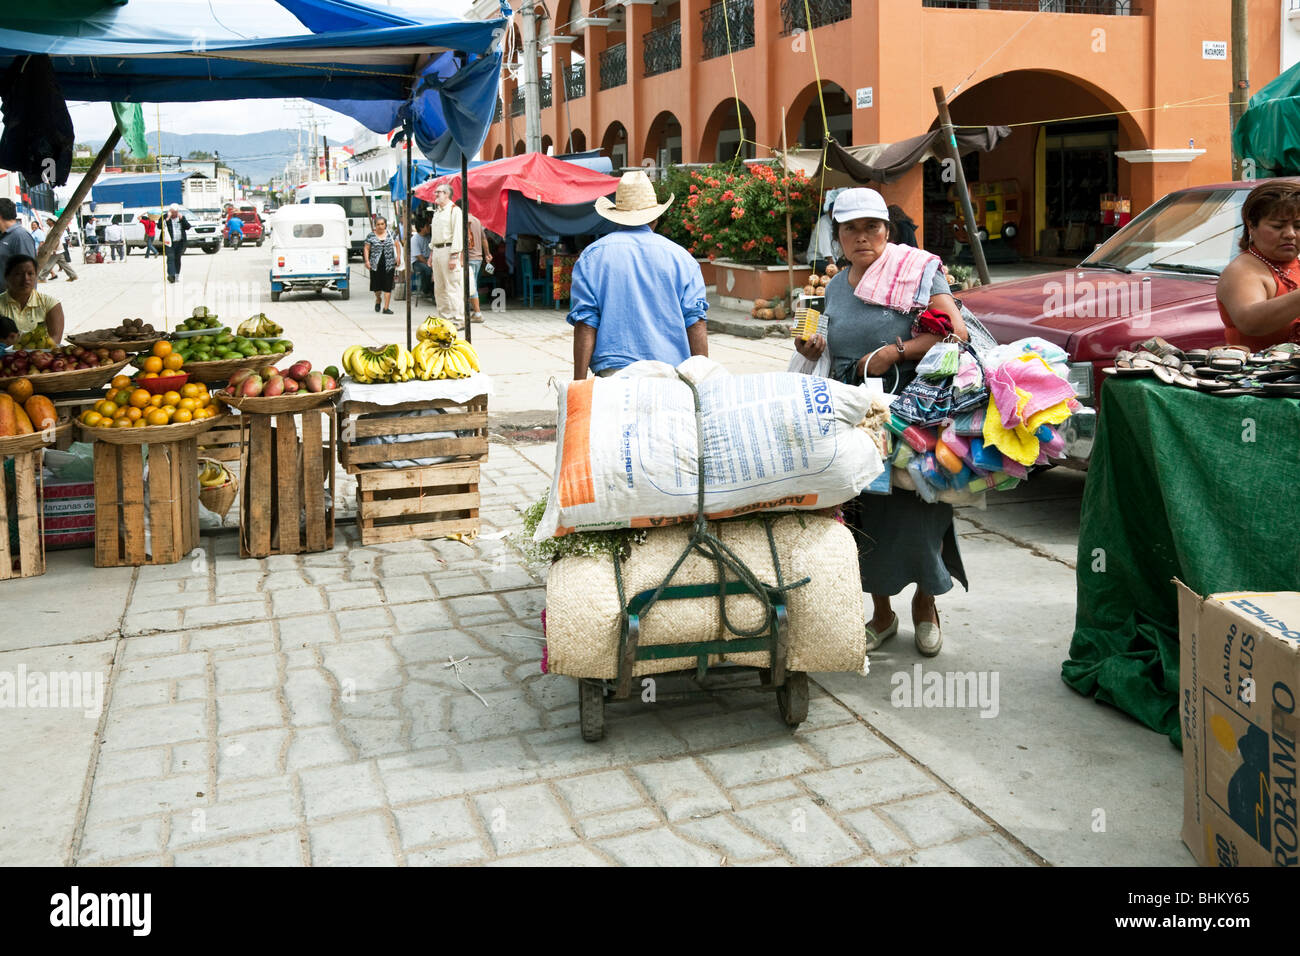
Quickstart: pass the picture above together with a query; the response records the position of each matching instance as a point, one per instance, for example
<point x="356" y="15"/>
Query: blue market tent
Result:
<point x="377" y="65"/>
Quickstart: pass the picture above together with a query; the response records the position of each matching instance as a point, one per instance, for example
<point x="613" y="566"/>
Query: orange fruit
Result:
<point x="157" y="417"/>
<point x="155" y="401"/>
<point x="149" y="375"/>
<point x="121" y="381"/>
<point x="106" y="408"/>
<point x="169" y="409"/>
<point x="21" y="390"/>
<point x="182" y="416"/>
<point x="91" y="418"/>
<point x="140" y="398"/>
<point x="111" y="394"/>
<point x="135" y="414"/>
<point x="187" y="404"/>
<point x="122" y="397"/>
<point x="173" y="362"/>
<point x="203" y="401"/>
<point x="120" y="412"/>
<point x="162" y="348"/>
<point x="122" y="423"/>
<point x="139" y="423"/>
<point x="190" y="390"/>
<point x="153" y="363"/>
<point x="171" y="397"/>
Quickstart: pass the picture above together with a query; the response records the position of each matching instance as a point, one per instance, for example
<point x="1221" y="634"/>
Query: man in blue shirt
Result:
<point x="635" y="295"/>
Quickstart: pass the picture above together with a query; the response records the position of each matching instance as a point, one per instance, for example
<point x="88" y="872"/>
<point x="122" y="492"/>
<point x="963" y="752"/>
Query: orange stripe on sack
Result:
<point x="576" y="484"/>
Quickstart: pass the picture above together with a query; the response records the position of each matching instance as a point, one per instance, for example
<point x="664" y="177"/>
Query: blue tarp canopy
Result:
<point x="375" y="64"/>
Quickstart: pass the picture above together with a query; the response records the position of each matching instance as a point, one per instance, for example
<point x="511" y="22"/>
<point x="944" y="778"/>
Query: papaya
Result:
<point x="8" y="420"/>
<point x="24" y="424"/>
<point x="41" y="412"/>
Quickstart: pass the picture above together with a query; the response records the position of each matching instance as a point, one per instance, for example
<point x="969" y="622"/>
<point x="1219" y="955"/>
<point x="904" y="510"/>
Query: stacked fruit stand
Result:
<point x="205" y="415"/>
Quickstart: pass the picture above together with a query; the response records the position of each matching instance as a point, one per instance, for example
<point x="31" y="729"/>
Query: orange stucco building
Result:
<point x="1104" y="96"/>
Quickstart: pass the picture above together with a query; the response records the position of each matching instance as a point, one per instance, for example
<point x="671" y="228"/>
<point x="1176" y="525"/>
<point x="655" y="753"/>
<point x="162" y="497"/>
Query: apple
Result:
<point x="291" y="386"/>
<point x="117" y="355"/>
<point x="41" y="360"/>
<point x="90" y="360"/>
<point x="299" y="369"/>
<point x="59" y="364"/>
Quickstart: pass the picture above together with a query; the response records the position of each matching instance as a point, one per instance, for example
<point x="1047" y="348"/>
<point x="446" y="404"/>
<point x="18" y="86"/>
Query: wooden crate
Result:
<point x="398" y="504"/>
<point x="23" y="496"/>
<point x="283" y="477"/>
<point x="221" y="444"/>
<point x="470" y="417"/>
<point x="173" y="502"/>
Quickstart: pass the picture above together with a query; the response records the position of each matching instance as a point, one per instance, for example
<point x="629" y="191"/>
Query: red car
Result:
<point x="253" y="230"/>
<point x="1156" y="276"/>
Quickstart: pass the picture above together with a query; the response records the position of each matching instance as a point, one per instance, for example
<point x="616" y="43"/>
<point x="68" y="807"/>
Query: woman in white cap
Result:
<point x="870" y="334"/>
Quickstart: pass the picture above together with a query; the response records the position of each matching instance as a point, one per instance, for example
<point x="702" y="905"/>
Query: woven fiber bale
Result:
<point x="825" y="615"/>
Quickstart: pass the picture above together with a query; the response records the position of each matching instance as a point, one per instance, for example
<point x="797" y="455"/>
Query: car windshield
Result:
<point x="354" y="207"/>
<point x="1186" y="232"/>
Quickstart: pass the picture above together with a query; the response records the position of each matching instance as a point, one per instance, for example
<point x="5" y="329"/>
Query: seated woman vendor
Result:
<point x="1259" y="291"/>
<point x="22" y="308"/>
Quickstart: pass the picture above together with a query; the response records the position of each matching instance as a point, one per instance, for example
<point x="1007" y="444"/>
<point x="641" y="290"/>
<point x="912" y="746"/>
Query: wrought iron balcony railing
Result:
<point x="496" y="117"/>
<point x="613" y="66"/>
<point x="1117" y="8"/>
<point x="546" y="91"/>
<point x="517" y="101"/>
<point x="575" y="81"/>
<point x="732" y="21"/>
<point x="663" y="49"/>
<point x="794" y="17"/>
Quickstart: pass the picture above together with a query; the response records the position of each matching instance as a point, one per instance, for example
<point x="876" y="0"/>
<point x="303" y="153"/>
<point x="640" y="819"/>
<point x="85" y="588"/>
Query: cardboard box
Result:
<point x="1239" y="677"/>
<point x="69" y="514"/>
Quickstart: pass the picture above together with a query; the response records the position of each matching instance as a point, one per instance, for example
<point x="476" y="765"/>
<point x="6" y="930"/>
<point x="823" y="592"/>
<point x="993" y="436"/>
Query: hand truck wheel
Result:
<point x="591" y="708"/>
<point x="792" y="698"/>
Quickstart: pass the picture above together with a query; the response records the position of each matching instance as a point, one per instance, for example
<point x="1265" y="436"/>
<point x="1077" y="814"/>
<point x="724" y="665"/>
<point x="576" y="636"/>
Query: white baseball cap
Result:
<point x="174" y="207"/>
<point x="859" y="203"/>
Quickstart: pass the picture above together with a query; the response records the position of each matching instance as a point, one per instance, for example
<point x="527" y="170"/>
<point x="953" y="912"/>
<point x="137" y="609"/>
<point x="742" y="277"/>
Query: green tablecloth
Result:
<point x="1181" y="484"/>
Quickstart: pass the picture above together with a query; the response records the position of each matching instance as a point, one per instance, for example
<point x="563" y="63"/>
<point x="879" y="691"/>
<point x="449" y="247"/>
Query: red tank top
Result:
<point x="1286" y="278"/>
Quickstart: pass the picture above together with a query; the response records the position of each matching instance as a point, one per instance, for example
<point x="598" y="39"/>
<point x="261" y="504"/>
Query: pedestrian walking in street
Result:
<point x="420" y="266"/>
<point x="150" y="230"/>
<point x="14" y="239"/>
<point x="60" y="261"/>
<point x="384" y="257"/>
<point x="175" y="233"/>
<point x="477" y="253"/>
<point x="635" y="295"/>
<point x="116" y="240"/>
<point x="446" y="240"/>
<point x="91" y="246"/>
<point x="902" y="540"/>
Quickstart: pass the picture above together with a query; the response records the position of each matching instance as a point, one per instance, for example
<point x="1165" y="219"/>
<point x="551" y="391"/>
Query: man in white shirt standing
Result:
<point x="116" y="240"/>
<point x="175" y="233"/>
<point x="446" y="240"/>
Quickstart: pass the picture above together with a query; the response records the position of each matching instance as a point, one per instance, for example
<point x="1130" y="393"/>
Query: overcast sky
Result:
<point x="94" y="121"/>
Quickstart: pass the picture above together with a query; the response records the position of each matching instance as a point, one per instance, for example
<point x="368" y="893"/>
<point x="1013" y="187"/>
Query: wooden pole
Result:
<point x="464" y="233"/>
<point x="789" y="232"/>
<point x="51" y="243"/>
<point x="950" y="140"/>
<point x="1240" y="76"/>
<point x="406" y="235"/>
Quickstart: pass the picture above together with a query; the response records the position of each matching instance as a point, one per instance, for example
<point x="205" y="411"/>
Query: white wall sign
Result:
<point x="1214" y="50"/>
<point x="864" y="98"/>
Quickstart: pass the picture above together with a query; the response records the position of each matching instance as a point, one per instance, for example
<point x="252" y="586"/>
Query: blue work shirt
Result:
<point x="640" y="292"/>
<point x="235" y="225"/>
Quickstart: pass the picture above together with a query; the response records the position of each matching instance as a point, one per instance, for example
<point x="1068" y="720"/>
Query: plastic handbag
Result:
<point x="942" y="361"/>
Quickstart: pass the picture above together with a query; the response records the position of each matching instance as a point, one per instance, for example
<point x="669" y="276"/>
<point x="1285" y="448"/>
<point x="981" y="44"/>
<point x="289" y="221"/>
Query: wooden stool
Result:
<point x="283" y="478"/>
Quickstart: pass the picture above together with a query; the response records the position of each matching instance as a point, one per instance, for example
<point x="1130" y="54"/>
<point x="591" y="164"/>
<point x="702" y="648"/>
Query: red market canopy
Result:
<point x="540" y="178"/>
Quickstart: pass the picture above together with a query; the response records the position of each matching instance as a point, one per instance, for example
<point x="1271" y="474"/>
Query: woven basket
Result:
<point x="219" y="498"/>
<point x="279" y="404"/>
<point x="150" y="433"/>
<point x="51" y="383"/>
<point x="212" y="372"/>
<point x="16" y="444"/>
<point x="87" y="340"/>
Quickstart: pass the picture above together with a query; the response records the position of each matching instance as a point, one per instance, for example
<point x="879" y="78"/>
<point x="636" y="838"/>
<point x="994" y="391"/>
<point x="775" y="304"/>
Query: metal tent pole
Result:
<point x="464" y="233"/>
<point x="410" y="273"/>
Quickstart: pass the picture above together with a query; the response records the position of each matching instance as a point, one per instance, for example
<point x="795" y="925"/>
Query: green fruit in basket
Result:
<point x="263" y="348"/>
<point x="284" y="345"/>
<point x="333" y="372"/>
<point x="225" y="338"/>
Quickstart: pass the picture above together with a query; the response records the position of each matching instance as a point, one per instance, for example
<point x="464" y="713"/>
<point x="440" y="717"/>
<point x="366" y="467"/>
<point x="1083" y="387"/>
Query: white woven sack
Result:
<point x="627" y="447"/>
<point x="825" y="615"/>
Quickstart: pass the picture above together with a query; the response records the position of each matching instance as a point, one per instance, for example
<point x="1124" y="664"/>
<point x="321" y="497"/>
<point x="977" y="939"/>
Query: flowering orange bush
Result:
<point x="731" y="211"/>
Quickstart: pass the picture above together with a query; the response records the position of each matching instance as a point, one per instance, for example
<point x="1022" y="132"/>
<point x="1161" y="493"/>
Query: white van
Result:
<point x="353" y="198"/>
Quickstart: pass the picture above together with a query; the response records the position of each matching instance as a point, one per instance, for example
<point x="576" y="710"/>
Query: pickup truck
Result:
<point x="204" y="232"/>
<point x="1156" y="276"/>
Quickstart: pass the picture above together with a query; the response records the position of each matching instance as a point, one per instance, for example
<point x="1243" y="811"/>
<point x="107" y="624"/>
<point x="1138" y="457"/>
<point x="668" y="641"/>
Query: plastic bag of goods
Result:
<point x="627" y="449"/>
<point x="583" y="616"/>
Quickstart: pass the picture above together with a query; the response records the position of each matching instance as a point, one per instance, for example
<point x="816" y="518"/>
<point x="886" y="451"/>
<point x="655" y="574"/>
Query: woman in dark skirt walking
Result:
<point x="384" y="256"/>
<point x="903" y="540"/>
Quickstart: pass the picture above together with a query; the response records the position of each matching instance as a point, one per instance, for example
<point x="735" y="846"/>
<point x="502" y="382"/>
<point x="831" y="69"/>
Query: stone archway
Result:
<point x="663" y="143"/>
<point x="722" y="135"/>
<point x="577" y="142"/>
<point x="804" y="117"/>
<point x="615" y="145"/>
<point x="520" y="148"/>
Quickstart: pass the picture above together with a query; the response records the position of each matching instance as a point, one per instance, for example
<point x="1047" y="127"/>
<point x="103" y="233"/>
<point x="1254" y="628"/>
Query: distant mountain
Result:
<point x="259" y="156"/>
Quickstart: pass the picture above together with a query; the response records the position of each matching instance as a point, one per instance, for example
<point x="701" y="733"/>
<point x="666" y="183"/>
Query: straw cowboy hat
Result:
<point x="635" y="202"/>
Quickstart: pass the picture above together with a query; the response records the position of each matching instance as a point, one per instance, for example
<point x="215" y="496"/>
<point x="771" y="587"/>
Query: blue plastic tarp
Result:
<point x="140" y="191"/>
<point x="526" y="217"/>
<point x="376" y="64"/>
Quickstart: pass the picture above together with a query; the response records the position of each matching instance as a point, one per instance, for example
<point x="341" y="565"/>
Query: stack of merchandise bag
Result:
<point x="629" y="456"/>
<point x="975" y="422"/>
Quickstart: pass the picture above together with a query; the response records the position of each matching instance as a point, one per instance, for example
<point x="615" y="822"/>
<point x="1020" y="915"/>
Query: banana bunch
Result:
<point x="259" y="327"/>
<point x="385" y="363"/>
<point x="437" y="329"/>
<point x="37" y="338"/>
<point x="456" y="359"/>
<point x="213" y="475"/>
